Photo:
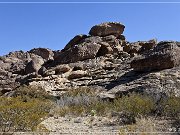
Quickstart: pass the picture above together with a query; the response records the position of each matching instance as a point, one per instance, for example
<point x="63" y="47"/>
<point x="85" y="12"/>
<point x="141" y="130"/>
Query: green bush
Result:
<point x="28" y="92"/>
<point x="136" y="104"/>
<point x="101" y="108"/>
<point x="171" y="107"/>
<point x="17" y="115"/>
<point x="80" y="91"/>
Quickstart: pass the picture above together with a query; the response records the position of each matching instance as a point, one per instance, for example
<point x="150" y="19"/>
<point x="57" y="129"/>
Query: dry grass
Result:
<point x="143" y="126"/>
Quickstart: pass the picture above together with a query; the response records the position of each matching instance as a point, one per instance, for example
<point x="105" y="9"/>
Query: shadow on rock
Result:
<point x="126" y="78"/>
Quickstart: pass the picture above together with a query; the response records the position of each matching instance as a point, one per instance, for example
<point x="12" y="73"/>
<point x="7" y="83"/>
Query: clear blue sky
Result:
<point x="27" y="26"/>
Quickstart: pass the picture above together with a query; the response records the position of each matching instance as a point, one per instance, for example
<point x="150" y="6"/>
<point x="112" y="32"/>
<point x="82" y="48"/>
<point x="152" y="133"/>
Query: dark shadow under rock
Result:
<point x="126" y="78"/>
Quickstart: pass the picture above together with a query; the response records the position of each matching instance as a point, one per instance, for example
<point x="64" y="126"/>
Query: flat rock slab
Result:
<point x="105" y="29"/>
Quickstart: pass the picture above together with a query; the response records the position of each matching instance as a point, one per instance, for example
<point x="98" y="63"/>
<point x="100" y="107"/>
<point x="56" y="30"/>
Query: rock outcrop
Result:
<point x="165" y="55"/>
<point x="103" y="60"/>
<point x="83" y="47"/>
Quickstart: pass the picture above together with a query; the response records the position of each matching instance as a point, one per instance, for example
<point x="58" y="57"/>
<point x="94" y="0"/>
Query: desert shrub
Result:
<point x="79" y="96"/>
<point x="79" y="102"/>
<point x="171" y="106"/>
<point x="28" y="92"/>
<point x="143" y="126"/>
<point x="76" y="110"/>
<point x="101" y="108"/>
<point x="82" y="101"/>
<point x="17" y="115"/>
<point x="136" y="104"/>
<point x="75" y="101"/>
<point x="80" y="91"/>
<point x="81" y="109"/>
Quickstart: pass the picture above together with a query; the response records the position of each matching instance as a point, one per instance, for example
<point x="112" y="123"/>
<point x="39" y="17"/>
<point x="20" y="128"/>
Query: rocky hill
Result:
<point x="103" y="59"/>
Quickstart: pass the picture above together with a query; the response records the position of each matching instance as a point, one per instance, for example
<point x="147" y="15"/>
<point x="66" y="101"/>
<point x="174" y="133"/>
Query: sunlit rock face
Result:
<point x="103" y="60"/>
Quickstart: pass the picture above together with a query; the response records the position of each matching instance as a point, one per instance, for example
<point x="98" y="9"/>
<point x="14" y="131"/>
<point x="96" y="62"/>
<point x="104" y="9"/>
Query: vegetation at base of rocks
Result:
<point x="30" y="105"/>
<point x="18" y="115"/>
<point x="74" y="103"/>
<point x="81" y="96"/>
<point x="171" y="107"/>
<point x="136" y="104"/>
<point x="28" y="92"/>
<point x="25" y="109"/>
<point x="80" y="104"/>
<point x="80" y="91"/>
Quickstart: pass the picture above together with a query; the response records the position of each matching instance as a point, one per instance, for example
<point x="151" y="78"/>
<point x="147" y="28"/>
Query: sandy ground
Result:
<point x="81" y="125"/>
<point x="93" y="125"/>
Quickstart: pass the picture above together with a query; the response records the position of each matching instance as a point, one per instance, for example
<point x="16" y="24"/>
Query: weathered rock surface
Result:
<point x="45" y="53"/>
<point x="34" y="65"/>
<point x="62" y="69"/>
<point x="76" y="40"/>
<point x="103" y="61"/>
<point x="77" y="74"/>
<point x="139" y="47"/>
<point x="78" y="53"/>
<point x="165" y="55"/>
<point x="106" y="29"/>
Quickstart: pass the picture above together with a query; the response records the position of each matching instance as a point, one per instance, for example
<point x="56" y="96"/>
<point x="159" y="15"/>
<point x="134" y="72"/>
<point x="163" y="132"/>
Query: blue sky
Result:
<point x="27" y="26"/>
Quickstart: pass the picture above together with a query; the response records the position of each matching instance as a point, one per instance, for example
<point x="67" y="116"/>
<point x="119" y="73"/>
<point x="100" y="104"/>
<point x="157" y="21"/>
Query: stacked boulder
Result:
<point x="103" y="59"/>
<point x="103" y="39"/>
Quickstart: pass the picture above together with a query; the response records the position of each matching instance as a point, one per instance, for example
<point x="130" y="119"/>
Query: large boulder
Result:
<point x="76" y="40"/>
<point x="109" y="28"/>
<point x="165" y="55"/>
<point x="34" y="65"/>
<point x="112" y="44"/>
<point x="78" y="53"/>
<point x="45" y="53"/>
<point x="62" y="69"/>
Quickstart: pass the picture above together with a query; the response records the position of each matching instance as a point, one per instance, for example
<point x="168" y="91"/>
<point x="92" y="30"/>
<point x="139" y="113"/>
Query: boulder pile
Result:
<point x="103" y="60"/>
